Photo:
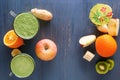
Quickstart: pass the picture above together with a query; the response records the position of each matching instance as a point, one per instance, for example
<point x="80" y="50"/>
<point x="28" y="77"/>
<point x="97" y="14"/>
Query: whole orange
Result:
<point x="106" y="45"/>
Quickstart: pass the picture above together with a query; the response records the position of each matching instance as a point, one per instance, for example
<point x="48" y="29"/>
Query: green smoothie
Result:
<point x="26" y="25"/>
<point x="22" y="65"/>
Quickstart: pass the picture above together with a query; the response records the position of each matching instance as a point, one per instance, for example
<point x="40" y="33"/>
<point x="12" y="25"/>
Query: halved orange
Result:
<point x="11" y="40"/>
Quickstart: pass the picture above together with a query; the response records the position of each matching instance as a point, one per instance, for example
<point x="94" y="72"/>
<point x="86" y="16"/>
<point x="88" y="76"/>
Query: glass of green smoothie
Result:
<point x="22" y="65"/>
<point x="26" y="25"/>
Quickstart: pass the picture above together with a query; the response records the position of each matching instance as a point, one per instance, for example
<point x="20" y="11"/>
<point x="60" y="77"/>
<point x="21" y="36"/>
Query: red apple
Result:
<point x="46" y="49"/>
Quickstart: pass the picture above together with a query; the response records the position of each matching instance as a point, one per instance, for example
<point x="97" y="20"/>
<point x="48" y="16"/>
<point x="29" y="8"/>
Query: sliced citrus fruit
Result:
<point x="15" y="52"/>
<point x="113" y="27"/>
<point x="106" y="45"/>
<point x="100" y="14"/>
<point x="11" y="40"/>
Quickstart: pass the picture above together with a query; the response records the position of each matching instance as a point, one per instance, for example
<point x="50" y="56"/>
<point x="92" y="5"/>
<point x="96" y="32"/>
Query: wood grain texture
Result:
<point x="70" y="22"/>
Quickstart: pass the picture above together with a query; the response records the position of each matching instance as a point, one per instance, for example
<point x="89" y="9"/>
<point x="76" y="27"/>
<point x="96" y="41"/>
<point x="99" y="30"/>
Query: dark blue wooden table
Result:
<point x="70" y="22"/>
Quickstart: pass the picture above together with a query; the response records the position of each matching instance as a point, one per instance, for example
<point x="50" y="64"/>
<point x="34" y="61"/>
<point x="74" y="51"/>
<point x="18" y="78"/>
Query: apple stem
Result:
<point x="46" y="47"/>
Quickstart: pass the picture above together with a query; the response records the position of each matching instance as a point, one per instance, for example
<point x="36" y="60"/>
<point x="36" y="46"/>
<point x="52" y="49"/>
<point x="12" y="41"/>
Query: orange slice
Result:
<point x="11" y="40"/>
<point x="113" y="27"/>
<point x="15" y="52"/>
